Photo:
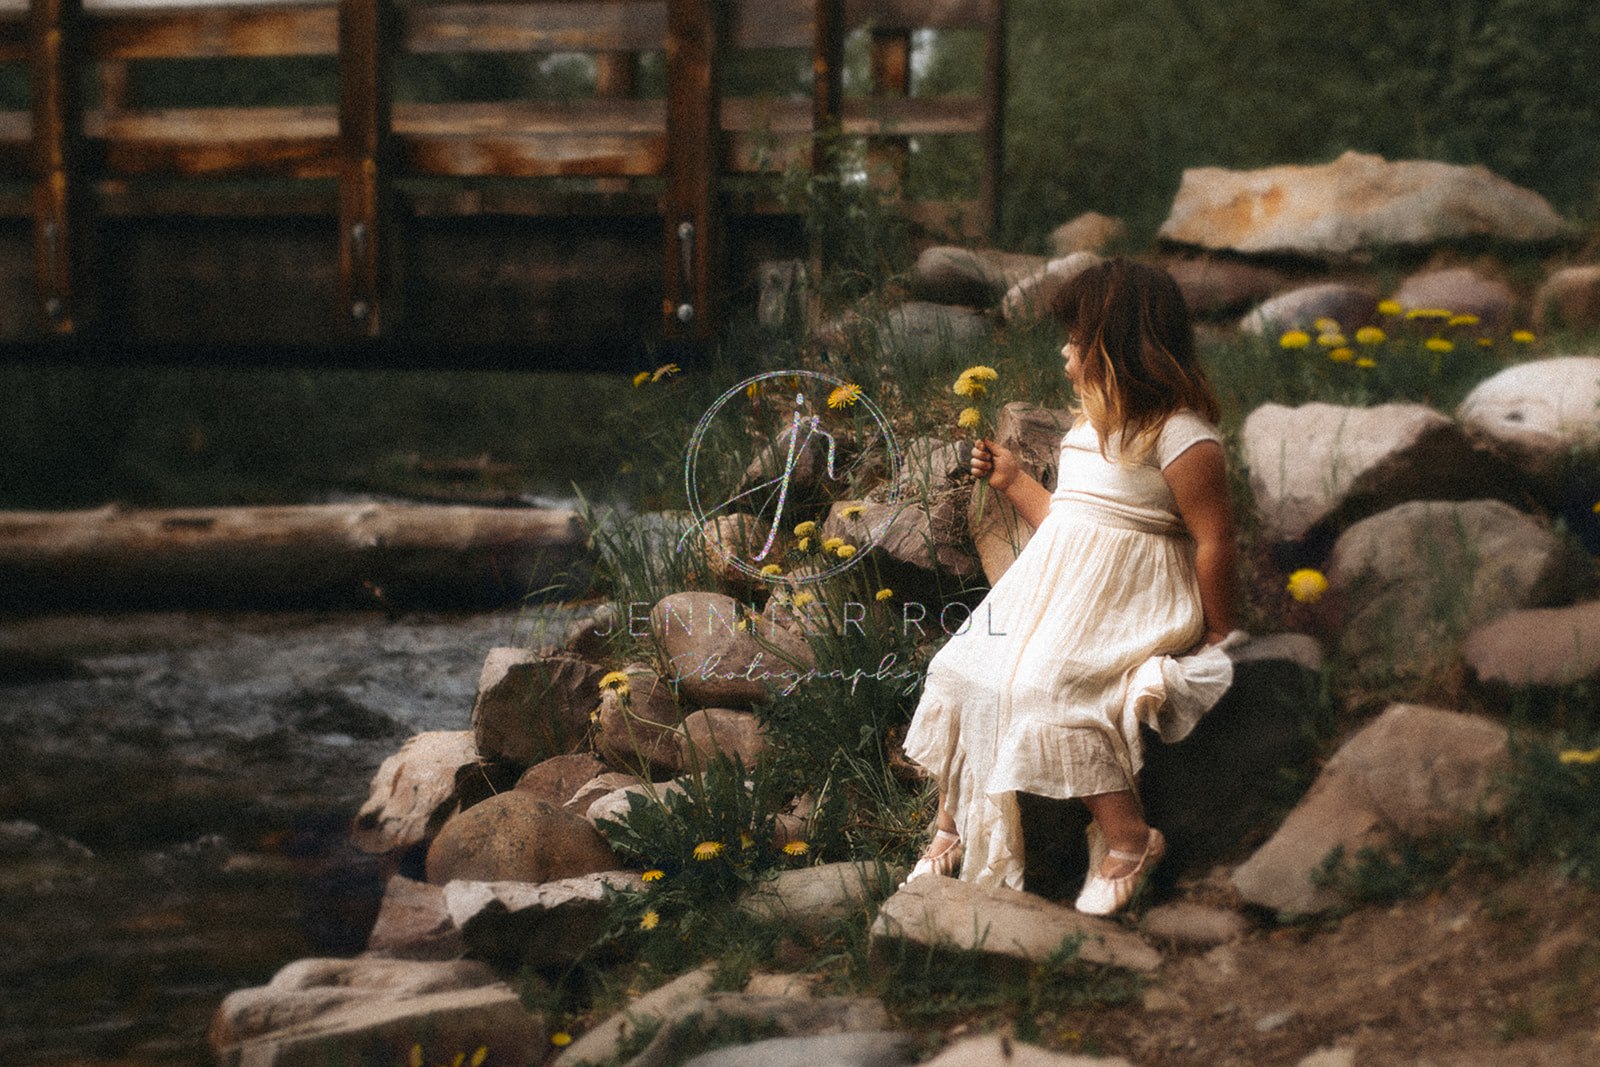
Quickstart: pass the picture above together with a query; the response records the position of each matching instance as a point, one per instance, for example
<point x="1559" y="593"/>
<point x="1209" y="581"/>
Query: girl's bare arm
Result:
<point x="999" y="466"/>
<point x="1199" y="481"/>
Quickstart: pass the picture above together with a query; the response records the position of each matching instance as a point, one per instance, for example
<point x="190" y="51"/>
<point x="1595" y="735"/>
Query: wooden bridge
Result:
<point x="373" y="228"/>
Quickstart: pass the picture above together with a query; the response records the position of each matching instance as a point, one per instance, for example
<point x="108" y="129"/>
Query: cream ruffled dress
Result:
<point x="1044" y="690"/>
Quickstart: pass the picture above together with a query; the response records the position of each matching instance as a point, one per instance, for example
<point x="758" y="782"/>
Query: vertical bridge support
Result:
<point x="54" y="50"/>
<point x="367" y="41"/>
<point x="691" y="205"/>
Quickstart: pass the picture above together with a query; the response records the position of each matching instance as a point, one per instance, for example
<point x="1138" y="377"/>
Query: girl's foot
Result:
<point x="1115" y="875"/>
<point x="942" y="856"/>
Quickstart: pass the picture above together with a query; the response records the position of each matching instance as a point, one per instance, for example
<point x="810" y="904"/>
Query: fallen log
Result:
<point x="394" y="556"/>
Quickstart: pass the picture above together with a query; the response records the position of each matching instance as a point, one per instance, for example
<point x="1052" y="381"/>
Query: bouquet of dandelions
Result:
<point x="978" y="417"/>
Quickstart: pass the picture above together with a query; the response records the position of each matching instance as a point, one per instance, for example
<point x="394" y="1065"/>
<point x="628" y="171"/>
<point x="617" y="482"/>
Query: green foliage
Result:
<point x="1552" y="809"/>
<point x="1382" y="876"/>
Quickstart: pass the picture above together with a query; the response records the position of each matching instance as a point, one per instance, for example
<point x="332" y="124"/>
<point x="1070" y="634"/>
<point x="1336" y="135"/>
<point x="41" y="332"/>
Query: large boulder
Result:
<point x="1460" y="291"/>
<point x="1351" y="306"/>
<point x="553" y="923"/>
<point x="514" y="837"/>
<point x="1089" y="232"/>
<point x="1569" y="299"/>
<point x="945" y="274"/>
<point x="1030" y="297"/>
<point x="1538" y="648"/>
<point x="717" y="663"/>
<point x="1356" y="203"/>
<point x="557" y="778"/>
<point x="434" y="775"/>
<point x="1536" y="415"/>
<point x="712" y="732"/>
<point x="1316" y="468"/>
<point x="320" y="1012"/>
<point x="1221" y="288"/>
<point x="1412" y="771"/>
<point x="815" y="898"/>
<point x="531" y="707"/>
<point x="1410" y="582"/>
<point x="639" y="730"/>
<point x="414" y="923"/>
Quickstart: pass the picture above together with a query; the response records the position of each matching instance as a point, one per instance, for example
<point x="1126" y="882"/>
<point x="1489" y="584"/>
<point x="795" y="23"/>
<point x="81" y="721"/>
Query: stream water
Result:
<point x="174" y="795"/>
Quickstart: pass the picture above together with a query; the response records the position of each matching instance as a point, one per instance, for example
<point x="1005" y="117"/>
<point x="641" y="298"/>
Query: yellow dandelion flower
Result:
<point x="796" y="848"/>
<point x="1370" y="335"/>
<point x="650" y="920"/>
<point x="1366" y="363"/>
<point x="852" y="511"/>
<point x="1439" y="344"/>
<point x="1331" y="340"/>
<point x="745" y="840"/>
<point x="561" y="1039"/>
<point x="1596" y="507"/>
<point x="1388" y="307"/>
<point x="640" y="378"/>
<point x="1463" y="320"/>
<point x="1307" y="585"/>
<point x="752" y="390"/>
<point x="479" y="1056"/>
<point x="708" y="850"/>
<point x="845" y="551"/>
<point x="885" y="593"/>
<point x="1486" y="342"/>
<point x="805" y="529"/>
<point x="969" y="418"/>
<point x="844" y="395"/>
<point x="832" y="543"/>
<point x="802" y="598"/>
<point x="771" y="569"/>
<point x="594" y="716"/>
<point x="981" y="372"/>
<point x="416" y="1056"/>
<point x="804" y="544"/>
<point x="968" y="388"/>
<point x="666" y="370"/>
<point x="1576" y="755"/>
<point x="1523" y="337"/>
<point x="1430" y="313"/>
<point x="1342" y="354"/>
<point x="1326" y="325"/>
<point x="617" y="680"/>
<point x="742" y="625"/>
<point x="1294" y="339"/>
<point x="654" y="874"/>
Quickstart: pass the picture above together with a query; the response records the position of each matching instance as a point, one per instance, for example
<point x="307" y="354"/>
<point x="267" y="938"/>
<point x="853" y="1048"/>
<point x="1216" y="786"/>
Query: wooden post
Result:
<point x="367" y="39"/>
<point x="889" y="57"/>
<point x="994" y="143"/>
<point x="616" y="77"/>
<point x="827" y="86"/>
<point x="691" y="204"/>
<point x="59" y="221"/>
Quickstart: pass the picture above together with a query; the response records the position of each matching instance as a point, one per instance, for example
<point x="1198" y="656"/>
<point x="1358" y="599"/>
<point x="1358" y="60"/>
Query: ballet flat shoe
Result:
<point x="945" y="863"/>
<point x="1107" y="896"/>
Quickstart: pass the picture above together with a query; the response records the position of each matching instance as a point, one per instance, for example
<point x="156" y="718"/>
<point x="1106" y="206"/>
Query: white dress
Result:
<point x="1044" y="690"/>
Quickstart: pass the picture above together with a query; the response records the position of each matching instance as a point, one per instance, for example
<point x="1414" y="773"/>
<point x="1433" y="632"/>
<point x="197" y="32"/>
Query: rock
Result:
<point x="553" y="923"/>
<point x="1410" y="582"/>
<point x="910" y="331"/>
<point x="1536" y="415"/>
<point x="1411" y="771"/>
<point x="1329" y="1057"/>
<point x="316" y="1012"/>
<point x="1193" y="925"/>
<point x="639" y="732"/>
<point x="771" y="463"/>
<point x="513" y="837"/>
<point x="1569" y="300"/>
<point x="1545" y="647"/>
<point x="873" y="1048"/>
<point x="1317" y="468"/>
<point x="414" y="923"/>
<point x="997" y="1050"/>
<point x="714" y="663"/>
<point x="811" y="1016"/>
<point x="598" y="786"/>
<point x="920" y="545"/>
<point x="590" y="637"/>
<point x="1002" y="924"/>
<point x="1209" y="791"/>
<point x="812" y="898"/>
<point x="1221" y="288"/>
<point x="559" y="777"/>
<point x="617" y="803"/>
<point x="1356" y="203"/>
<point x="765" y="984"/>
<point x="710" y="732"/>
<point x="928" y="465"/>
<point x="1030" y="297"/>
<point x="433" y="776"/>
<point x="1351" y="306"/>
<point x="731" y="541"/>
<point x="784" y="283"/>
<point x="532" y="707"/>
<point x="603" y="1043"/>
<point x="1089" y="232"/>
<point x="1460" y="291"/>
<point x="1034" y="433"/>
<point x="975" y="278"/>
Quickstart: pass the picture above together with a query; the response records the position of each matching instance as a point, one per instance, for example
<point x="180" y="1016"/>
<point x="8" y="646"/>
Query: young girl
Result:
<point x="1114" y="612"/>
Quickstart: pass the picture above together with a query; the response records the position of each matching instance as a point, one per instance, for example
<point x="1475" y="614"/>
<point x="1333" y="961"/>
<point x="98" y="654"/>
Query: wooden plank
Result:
<point x="59" y="226"/>
<point x="546" y="156"/>
<point x="292" y="142"/>
<point x="693" y="219"/>
<point x="16" y="143"/>
<point x="889" y="58"/>
<point x="772" y="24"/>
<point x="924" y="116"/>
<point x="206" y="32"/>
<point x="917" y="14"/>
<point x="366" y="50"/>
<point x="618" y="117"/>
<point x="616" y="26"/>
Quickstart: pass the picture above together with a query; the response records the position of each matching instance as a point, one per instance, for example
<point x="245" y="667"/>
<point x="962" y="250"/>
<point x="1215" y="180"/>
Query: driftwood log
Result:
<point x="394" y="556"/>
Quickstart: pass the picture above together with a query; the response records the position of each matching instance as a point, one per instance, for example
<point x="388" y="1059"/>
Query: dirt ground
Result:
<point x="1484" y="972"/>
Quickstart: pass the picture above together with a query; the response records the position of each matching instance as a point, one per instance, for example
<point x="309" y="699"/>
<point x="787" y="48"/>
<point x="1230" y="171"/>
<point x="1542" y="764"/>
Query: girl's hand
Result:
<point x="997" y="464"/>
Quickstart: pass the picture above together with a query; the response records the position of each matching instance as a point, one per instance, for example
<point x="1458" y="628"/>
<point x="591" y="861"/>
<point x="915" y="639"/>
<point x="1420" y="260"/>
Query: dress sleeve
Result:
<point x="1183" y="429"/>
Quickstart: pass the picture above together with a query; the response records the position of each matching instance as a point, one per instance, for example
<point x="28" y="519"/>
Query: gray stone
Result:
<point x="1329" y="1057"/>
<point x="600" y="785"/>
<point x="1089" y="232"/>
<point x="1317" y="468"/>
<point x="813" y="898"/>
<point x="639" y="732"/>
<point x="812" y="1016"/>
<point x="1569" y="300"/>
<point x="716" y="664"/>
<point x="414" y="923"/>
<point x="518" y="923"/>
<point x="1411" y="771"/>
<point x="711" y="732"/>
<point x="515" y="837"/>
<point x="919" y="544"/>
<point x="1002" y="924"/>
<point x="1460" y="291"/>
<point x="1412" y="581"/>
<point x="973" y="277"/>
<point x="873" y="1048"/>
<point x="1548" y="647"/>
<point x="590" y="637"/>
<point x="617" y="803"/>
<point x="1356" y="203"/>
<point x="1030" y="297"/>
<point x="730" y="542"/>
<point x="531" y="707"/>
<point x="1223" y="288"/>
<point x="331" y="1012"/>
<point x="1351" y="306"/>
<point x="1193" y="925"/>
<point x="434" y="775"/>
<point x="997" y="1050"/>
<point x="604" y="1041"/>
<point x="558" y="777"/>
<point x="1536" y="415"/>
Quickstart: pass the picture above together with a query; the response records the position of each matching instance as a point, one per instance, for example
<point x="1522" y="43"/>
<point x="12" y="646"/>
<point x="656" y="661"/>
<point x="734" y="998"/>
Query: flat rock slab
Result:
<point x="602" y="1043"/>
<point x="813" y="897"/>
<point x="538" y="924"/>
<point x="1193" y="925"/>
<point x="1537" y="414"/>
<point x="875" y="1048"/>
<point x="790" y="1017"/>
<point x="996" y="1050"/>
<point x="1549" y="647"/>
<point x="947" y="913"/>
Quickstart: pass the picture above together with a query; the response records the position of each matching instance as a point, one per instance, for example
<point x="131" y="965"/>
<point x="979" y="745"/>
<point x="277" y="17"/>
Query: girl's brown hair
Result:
<point x="1136" y="349"/>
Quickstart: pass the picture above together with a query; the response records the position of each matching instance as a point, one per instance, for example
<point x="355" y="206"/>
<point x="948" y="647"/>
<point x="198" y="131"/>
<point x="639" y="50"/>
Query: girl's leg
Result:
<point x="1121" y="820"/>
